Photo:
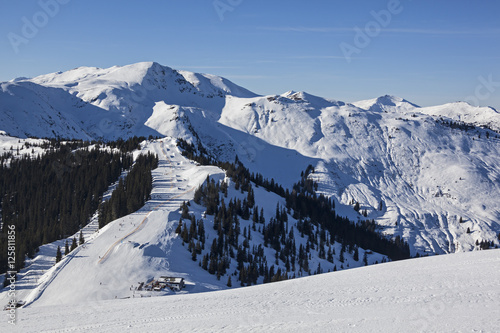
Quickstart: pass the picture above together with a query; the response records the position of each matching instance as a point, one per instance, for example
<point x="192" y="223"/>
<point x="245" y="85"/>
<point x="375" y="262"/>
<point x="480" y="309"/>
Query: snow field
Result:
<point x="449" y="293"/>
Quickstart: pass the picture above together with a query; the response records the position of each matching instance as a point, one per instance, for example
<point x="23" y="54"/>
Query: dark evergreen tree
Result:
<point x="178" y="230"/>
<point x="81" y="240"/>
<point x="51" y="195"/>
<point x="131" y="192"/>
<point x="317" y="222"/>
<point x="73" y="244"/>
<point x="193" y="254"/>
<point x="341" y="256"/>
<point x="58" y="254"/>
<point x="356" y="253"/>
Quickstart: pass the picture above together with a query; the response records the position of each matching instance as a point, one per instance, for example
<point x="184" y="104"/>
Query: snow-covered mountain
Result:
<point x="145" y="245"/>
<point x="427" y="175"/>
<point x="386" y="104"/>
<point x="465" y="113"/>
<point x="106" y="103"/>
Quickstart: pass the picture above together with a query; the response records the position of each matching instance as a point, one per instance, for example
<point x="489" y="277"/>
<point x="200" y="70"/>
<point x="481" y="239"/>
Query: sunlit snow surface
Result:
<point x="143" y="245"/>
<point x="449" y="293"/>
<point x="428" y="176"/>
<point x="89" y="291"/>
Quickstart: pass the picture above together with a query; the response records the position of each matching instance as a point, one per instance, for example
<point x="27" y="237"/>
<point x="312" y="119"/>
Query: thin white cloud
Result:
<point x="442" y="32"/>
<point x="305" y="29"/>
<point x="247" y="77"/>
<point x="303" y="57"/>
<point x="209" y="67"/>
<point x="393" y="30"/>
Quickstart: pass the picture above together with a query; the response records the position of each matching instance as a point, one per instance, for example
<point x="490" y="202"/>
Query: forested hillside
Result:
<point x="131" y="192"/>
<point x="51" y="196"/>
<point x="304" y="231"/>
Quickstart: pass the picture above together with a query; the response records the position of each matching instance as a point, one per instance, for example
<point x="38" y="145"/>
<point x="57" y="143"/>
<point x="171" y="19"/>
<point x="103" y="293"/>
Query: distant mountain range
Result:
<point x="434" y="171"/>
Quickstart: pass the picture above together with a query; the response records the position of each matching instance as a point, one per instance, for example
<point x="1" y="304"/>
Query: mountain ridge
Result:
<point x="428" y="173"/>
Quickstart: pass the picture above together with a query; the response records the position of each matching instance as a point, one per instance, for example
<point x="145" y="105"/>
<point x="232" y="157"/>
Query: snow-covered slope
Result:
<point x="135" y="248"/>
<point x="459" y="292"/>
<point x="386" y="104"/>
<point x="144" y="245"/>
<point x="105" y="103"/>
<point x="428" y="175"/>
<point x="466" y="113"/>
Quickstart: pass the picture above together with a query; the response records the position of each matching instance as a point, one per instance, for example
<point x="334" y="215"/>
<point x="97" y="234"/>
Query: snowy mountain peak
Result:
<point x="385" y="149"/>
<point x="289" y="93"/>
<point x="314" y="100"/>
<point x="150" y="75"/>
<point x="466" y="107"/>
<point x="386" y="103"/>
<point x="466" y="113"/>
<point x="18" y="79"/>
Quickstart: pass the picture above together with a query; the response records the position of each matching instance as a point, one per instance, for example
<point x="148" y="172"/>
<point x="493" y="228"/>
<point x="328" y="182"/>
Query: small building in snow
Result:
<point x="174" y="283"/>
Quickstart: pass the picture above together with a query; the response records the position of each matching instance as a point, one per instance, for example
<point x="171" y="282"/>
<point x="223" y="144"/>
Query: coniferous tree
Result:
<point x="261" y="216"/>
<point x="341" y="256"/>
<point x="81" y="240"/>
<point x="317" y="222"/>
<point x="178" y="230"/>
<point x="58" y="254"/>
<point x="73" y="244"/>
<point x="229" y="284"/>
<point x="185" y="211"/>
<point x="66" y="248"/>
<point x="60" y="190"/>
<point x="330" y="255"/>
<point x="250" y="198"/>
<point x="356" y="253"/>
<point x="198" y="195"/>
<point x="193" y="254"/>
<point x="305" y="265"/>
<point x="204" y="263"/>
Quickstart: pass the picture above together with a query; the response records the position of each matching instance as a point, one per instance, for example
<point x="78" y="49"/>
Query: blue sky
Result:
<point x="429" y="52"/>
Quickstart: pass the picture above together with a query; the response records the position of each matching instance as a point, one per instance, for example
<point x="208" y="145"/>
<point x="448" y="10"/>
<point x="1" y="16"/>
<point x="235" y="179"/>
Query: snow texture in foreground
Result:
<point x="457" y="292"/>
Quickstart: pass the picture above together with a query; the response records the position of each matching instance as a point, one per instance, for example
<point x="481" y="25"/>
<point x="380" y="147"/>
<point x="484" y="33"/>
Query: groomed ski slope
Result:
<point x="448" y="293"/>
<point x="135" y="248"/>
